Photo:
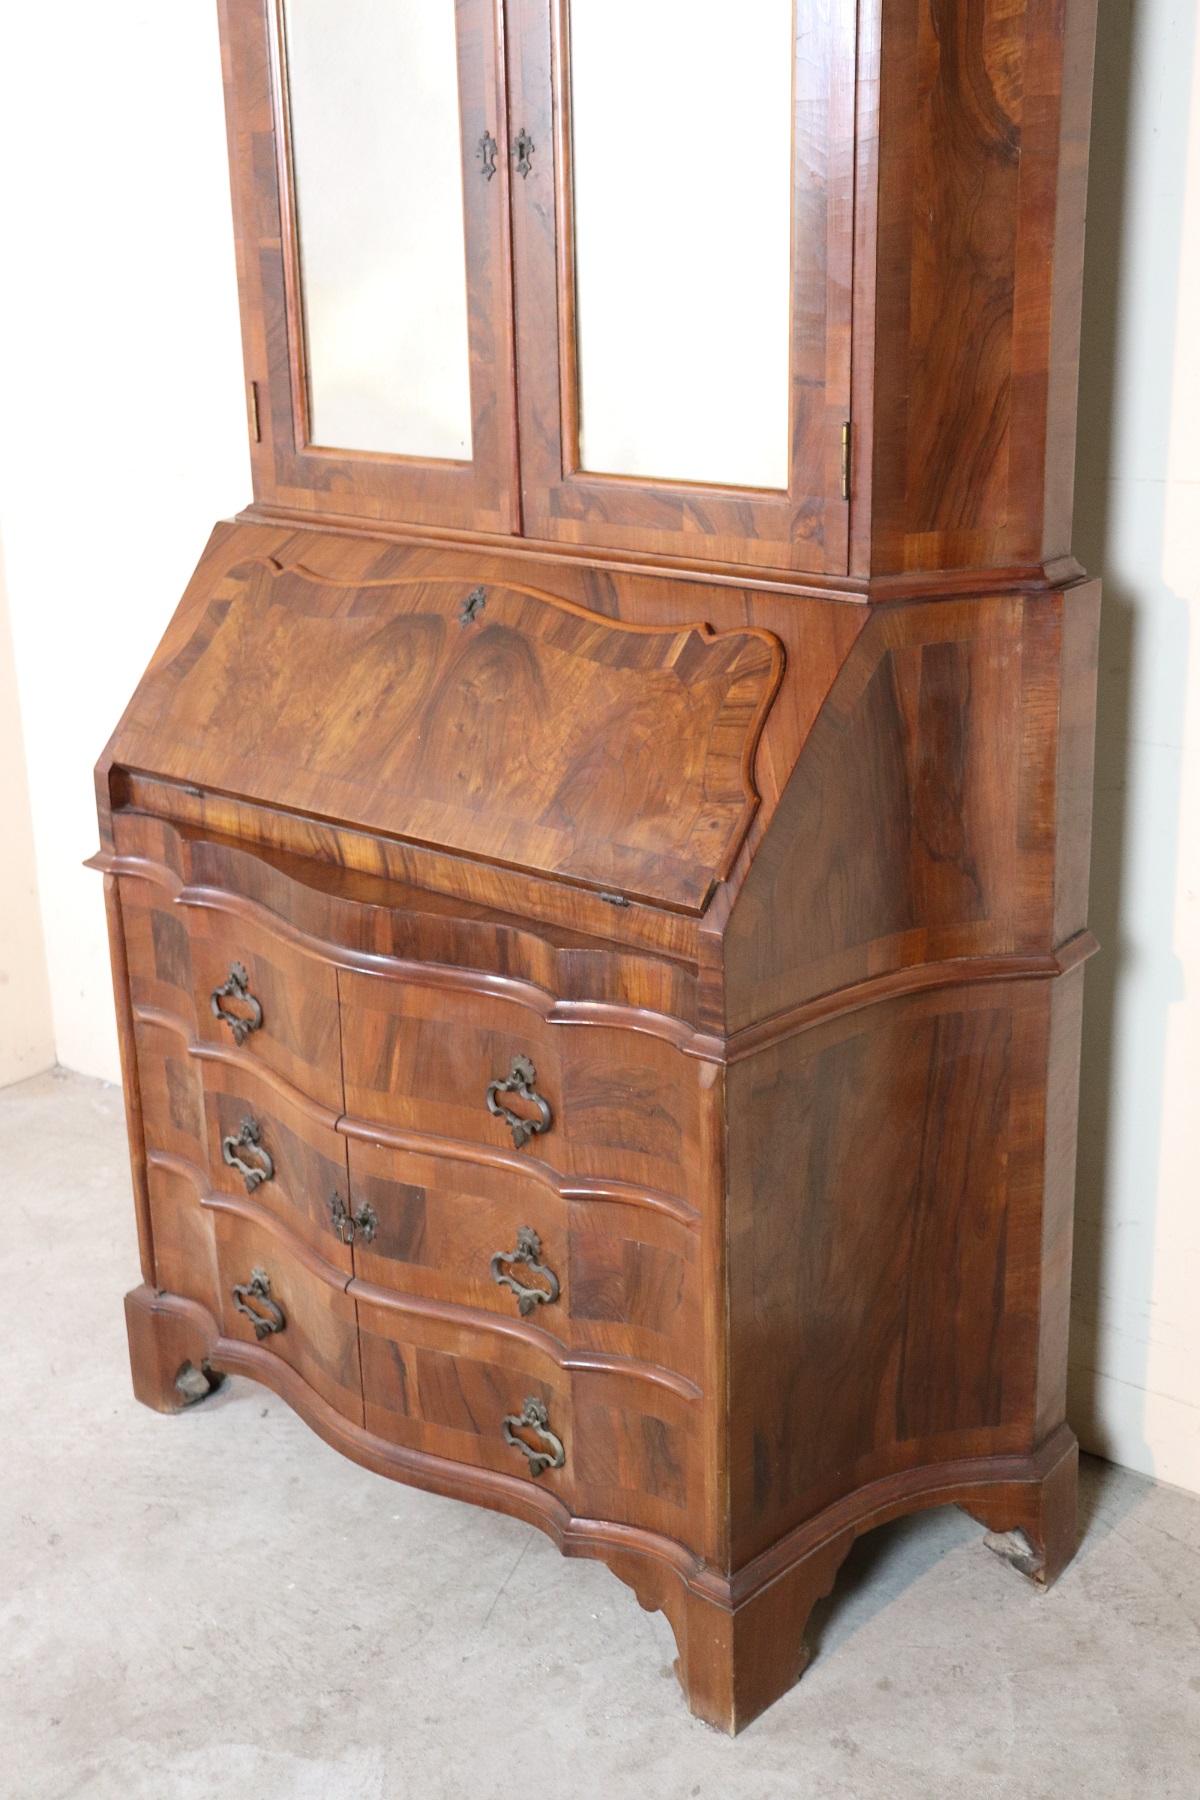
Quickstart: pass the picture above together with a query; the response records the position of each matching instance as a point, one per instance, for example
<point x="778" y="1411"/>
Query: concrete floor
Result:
<point x="219" y="1605"/>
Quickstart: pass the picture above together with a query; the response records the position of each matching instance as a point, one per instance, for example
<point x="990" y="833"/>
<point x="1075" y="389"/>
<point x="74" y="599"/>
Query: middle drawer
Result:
<point x="596" y="1273"/>
<point x="444" y="1060"/>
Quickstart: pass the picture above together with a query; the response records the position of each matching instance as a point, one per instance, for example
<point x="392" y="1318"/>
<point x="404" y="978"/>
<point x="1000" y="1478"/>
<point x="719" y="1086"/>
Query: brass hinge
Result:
<point x="255" y="421"/>
<point x="846" y="460"/>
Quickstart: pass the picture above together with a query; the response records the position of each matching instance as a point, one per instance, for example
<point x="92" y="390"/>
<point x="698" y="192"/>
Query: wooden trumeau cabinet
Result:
<point x="597" y="865"/>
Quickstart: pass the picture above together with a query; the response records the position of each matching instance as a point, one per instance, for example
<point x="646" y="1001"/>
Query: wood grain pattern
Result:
<point x="628" y="1277"/>
<point x="319" y="1339"/>
<point x="308" y="1157"/>
<point x="533" y="694"/>
<point x="923" y="821"/>
<point x="897" y="1279"/>
<point x="982" y="165"/>
<point x="625" y="1106"/>
<point x="445" y="1387"/>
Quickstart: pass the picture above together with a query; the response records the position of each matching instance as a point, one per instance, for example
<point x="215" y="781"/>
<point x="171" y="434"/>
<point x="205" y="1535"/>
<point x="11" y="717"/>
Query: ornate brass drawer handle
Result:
<point x="265" y="1314"/>
<point x="528" y="1251"/>
<point x="348" y="1226"/>
<point x="249" y="1139"/>
<point x="520" y="1082"/>
<point x="534" y="1417"/>
<point x="237" y="988"/>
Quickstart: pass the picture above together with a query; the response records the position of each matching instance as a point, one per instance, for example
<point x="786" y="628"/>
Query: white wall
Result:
<point x="124" y="303"/>
<point x="122" y="427"/>
<point x="1135" y="1391"/>
<point x="26" y="1025"/>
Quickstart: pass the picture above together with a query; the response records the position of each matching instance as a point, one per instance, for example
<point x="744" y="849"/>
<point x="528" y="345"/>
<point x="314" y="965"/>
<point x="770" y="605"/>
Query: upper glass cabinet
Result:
<point x="590" y="283"/>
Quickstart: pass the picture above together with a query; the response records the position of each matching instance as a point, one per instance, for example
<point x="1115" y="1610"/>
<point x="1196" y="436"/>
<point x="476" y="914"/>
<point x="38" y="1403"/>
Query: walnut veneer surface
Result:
<point x="599" y="964"/>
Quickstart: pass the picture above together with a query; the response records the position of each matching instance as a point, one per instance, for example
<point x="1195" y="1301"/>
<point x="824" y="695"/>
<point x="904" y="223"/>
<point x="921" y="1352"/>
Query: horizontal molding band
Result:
<point x="570" y="1358"/>
<point x="901" y="984"/>
<point x="422" y="1143"/>
<point x="929" y="585"/>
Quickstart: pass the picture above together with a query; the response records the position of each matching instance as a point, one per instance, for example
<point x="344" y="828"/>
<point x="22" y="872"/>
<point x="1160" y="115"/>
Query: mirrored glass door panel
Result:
<point x="683" y="244"/>
<point x="681" y="142"/>
<point x="371" y="188"/>
<point x="377" y="166"/>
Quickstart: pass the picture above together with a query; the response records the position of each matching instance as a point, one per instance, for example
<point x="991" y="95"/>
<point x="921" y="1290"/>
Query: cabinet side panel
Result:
<point x="918" y="823"/>
<point x="885" y="1249"/>
<point x="983" y="158"/>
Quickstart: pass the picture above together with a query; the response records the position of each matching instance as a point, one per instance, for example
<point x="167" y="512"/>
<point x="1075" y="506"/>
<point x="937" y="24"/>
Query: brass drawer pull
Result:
<point x="249" y="1139"/>
<point x="237" y="988"/>
<point x="265" y="1315"/>
<point x="528" y="1251"/>
<point x="534" y="1417"/>
<point x="348" y="1226"/>
<point x="520" y="1082"/>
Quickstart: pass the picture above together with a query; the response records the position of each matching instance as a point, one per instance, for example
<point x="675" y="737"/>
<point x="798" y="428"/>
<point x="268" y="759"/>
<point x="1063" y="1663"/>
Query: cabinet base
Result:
<point x="740" y="1639"/>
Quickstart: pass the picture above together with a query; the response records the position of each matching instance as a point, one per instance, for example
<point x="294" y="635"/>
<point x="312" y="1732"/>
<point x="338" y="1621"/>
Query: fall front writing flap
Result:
<point x="494" y="720"/>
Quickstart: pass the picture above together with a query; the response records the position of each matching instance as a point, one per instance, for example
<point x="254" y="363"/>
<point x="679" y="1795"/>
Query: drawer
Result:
<point x="274" y="1003"/>
<point x="621" y="1105"/>
<point x="283" y="1154"/>
<point x="615" y="1277"/>
<point x="630" y="1451"/>
<point x="282" y="1299"/>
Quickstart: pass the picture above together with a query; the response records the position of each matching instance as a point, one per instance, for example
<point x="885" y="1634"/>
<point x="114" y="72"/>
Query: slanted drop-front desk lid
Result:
<point x="494" y="720"/>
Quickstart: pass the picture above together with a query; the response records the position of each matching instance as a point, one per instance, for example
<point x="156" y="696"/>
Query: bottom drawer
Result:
<point x="612" y="1445"/>
<point x="273" y="1295"/>
<point x="207" y="1250"/>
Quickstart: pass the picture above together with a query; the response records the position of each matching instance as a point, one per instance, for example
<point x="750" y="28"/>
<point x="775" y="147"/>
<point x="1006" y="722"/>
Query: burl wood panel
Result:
<point x="625" y="1106"/>
<point x="628" y="1275"/>
<point x="534" y="733"/>
<point x="896" y="1199"/>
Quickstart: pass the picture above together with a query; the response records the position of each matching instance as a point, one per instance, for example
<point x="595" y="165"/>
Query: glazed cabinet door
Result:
<point x="370" y="180"/>
<point x="682" y="224"/>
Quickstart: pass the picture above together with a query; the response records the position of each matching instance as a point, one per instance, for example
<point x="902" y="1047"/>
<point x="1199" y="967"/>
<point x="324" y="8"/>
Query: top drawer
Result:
<point x="236" y="986"/>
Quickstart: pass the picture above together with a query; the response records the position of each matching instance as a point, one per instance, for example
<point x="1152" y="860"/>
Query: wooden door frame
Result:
<point x="804" y="530"/>
<point x="289" y="472"/>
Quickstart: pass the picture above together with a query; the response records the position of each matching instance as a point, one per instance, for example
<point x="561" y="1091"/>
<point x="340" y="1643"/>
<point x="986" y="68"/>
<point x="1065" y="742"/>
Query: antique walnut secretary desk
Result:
<point x="597" y="866"/>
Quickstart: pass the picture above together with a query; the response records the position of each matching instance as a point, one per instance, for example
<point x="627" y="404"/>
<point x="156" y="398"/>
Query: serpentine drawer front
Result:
<point x="593" y="1272"/>
<point x="445" y="1385"/>
<point x="424" y="1057"/>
